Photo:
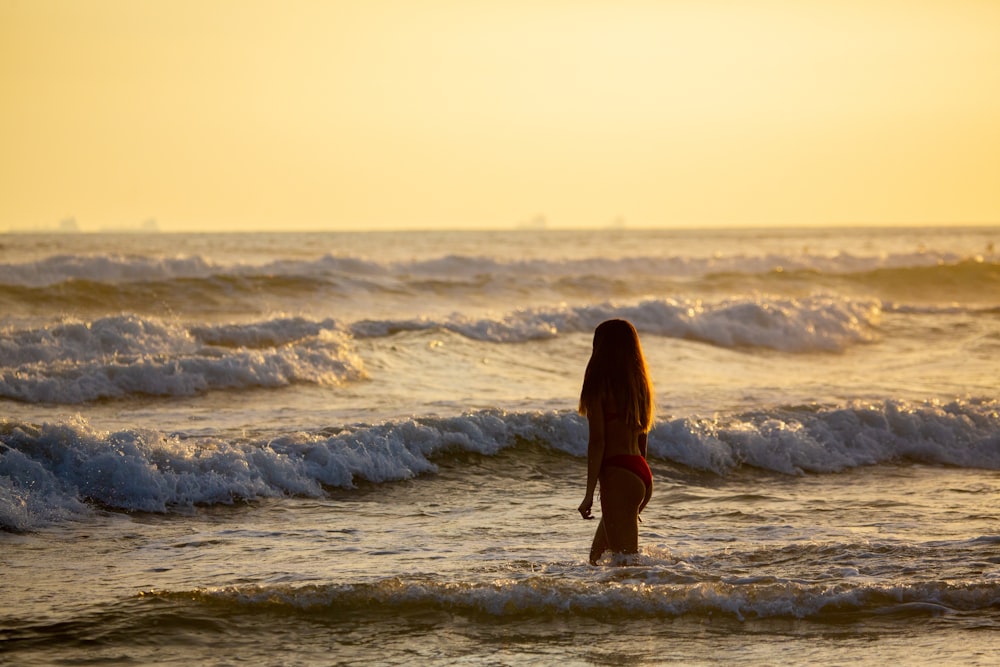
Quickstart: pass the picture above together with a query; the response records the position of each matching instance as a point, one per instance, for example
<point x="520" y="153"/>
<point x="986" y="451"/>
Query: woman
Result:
<point x="617" y="400"/>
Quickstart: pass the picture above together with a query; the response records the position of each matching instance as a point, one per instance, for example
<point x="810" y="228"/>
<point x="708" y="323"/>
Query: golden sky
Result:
<point x="236" y="115"/>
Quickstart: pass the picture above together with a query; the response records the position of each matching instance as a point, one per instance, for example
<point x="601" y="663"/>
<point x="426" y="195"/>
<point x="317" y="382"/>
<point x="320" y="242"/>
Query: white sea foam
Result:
<point x="75" y="361"/>
<point x="962" y="433"/>
<point x="115" y="268"/>
<point x="113" y="357"/>
<point x="52" y="469"/>
<point x="271" y="333"/>
<point x="119" y="337"/>
<point x="61" y="465"/>
<point x="818" y="323"/>
<point x="110" y="268"/>
<point x="544" y="596"/>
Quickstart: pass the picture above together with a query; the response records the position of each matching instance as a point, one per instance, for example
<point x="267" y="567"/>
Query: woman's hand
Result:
<point x="586" y="506"/>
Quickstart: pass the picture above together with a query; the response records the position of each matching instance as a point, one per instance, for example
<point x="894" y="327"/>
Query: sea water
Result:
<point x="363" y="448"/>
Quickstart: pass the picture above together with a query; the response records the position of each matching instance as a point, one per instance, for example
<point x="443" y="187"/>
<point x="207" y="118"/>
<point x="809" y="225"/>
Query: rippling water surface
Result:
<point x="316" y="449"/>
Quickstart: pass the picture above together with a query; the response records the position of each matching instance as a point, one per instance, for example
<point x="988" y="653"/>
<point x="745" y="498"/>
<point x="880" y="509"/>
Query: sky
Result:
<point x="244" y="115"/>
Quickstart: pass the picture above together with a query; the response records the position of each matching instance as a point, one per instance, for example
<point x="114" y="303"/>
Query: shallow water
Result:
<point x="481" y="562"/>
<point x="316" y="449"/>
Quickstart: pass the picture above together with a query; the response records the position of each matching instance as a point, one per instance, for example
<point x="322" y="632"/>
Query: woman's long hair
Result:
<point x="617" y="376"/>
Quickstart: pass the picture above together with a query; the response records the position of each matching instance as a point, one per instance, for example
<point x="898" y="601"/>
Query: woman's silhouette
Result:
<point x="617" y="399"/>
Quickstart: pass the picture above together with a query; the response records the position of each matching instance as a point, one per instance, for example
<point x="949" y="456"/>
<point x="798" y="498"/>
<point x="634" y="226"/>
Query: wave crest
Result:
<point x="809" y="439"/>
<point x="115" y="357"/>
<point x="818" y="323"/>
<point x="53" y="470"/>
<point x="541" y="596"/>
<point x="134" y="268"/>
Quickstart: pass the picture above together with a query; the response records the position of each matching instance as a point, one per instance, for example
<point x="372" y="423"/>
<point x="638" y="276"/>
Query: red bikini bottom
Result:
<point x="634" y="463"/>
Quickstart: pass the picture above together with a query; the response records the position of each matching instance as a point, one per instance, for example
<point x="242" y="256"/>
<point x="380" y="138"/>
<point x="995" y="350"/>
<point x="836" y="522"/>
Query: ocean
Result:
<point x="362" y="448"/>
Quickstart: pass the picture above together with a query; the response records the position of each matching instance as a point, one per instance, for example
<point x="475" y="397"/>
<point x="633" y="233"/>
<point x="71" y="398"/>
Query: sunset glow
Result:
<point x="236" y="116"/>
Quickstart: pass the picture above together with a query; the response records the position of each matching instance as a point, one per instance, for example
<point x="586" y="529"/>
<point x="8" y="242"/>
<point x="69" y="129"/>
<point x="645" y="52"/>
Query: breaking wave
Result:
<point x="116" y="357"/>
<point x="543" y="597"/>
<point x="814" y="324"/>
<point x="51" y="471"/>
<point x="196" y="284"/>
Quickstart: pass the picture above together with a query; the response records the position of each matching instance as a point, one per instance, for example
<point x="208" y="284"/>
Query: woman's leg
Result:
<point x="649" y="495"/>
<point x="600" y="543"/>
<point x="622" y="494"/>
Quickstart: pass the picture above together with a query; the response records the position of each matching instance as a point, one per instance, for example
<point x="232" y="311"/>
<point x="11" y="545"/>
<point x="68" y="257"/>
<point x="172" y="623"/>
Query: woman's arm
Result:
<point x="595" y="456"/>
<point x="643" y="441"/>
